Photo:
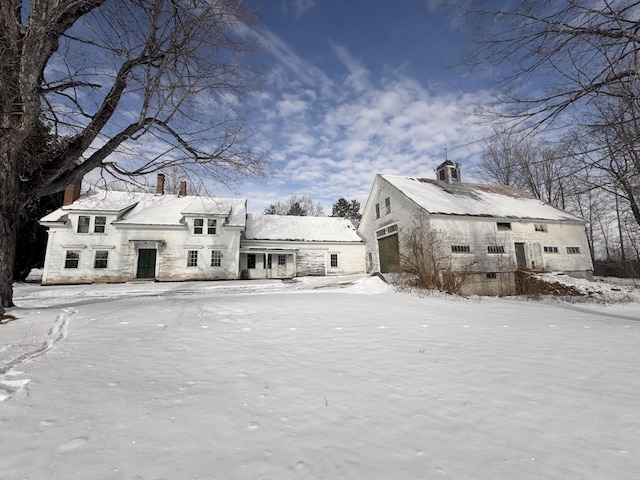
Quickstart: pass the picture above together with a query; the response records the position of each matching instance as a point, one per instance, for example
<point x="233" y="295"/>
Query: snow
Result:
<point x="310" y="229"/>
<point x="325" y="377"/>
<point x="475" y="200"/>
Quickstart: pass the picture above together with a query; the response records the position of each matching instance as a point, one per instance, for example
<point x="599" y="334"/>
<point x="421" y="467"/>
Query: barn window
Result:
<point x="334" y="260"/>
<point x="573" y="250"/>
<point x="461" y="248"/>
<point x="370" y="259"/>
<point x="492" y="275"/>
<point x="83" y="224"/>
<point x="387" y="205"/>
<point x="377" y="210"/>
<point x="216" y="258"/>
<point x="99" y="224"/>
<point x="212" y="225"/>
<point x="101" y="258"/>
<point x="550" y="249"/>
<point x="192" y="258"/>
<point x="540" y="227"/>
<point x="495" y="249"/>
<point x="72" y="259"/>
<point x="504" y="226"/>
<point x="392" y="228"/>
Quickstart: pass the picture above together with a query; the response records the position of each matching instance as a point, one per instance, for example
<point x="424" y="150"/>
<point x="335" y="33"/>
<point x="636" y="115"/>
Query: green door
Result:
<point x="146" y="263"/>
<point x="389" y="254"/>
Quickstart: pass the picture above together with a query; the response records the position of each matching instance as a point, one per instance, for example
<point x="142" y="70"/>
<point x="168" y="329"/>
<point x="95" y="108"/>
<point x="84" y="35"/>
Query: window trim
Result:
<point x="212" y="224"/>
<point x="504" y="226"/>
<point x="102" y="225"/>
<point x="81" y="223"/>
<point x="387" y="205"/>
<point x="69" y="261"/>
<point x="216" y="258"/>
<point x="550" y="249"/>
<point x="496" y="249"/>
<point x="333" y="260"/>
<point x="104" y="260"/>
<point x="573" y="250"/>
<point x="377" y="210"/>
<point x="192" y="258"/>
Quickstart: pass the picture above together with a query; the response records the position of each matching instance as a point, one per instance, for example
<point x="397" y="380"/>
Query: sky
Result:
<point x="355" y="88"/>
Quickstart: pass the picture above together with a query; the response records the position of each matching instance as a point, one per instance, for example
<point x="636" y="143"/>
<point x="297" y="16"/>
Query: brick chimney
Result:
<point x="183" y="189"/>
<point x="72" y="192"/>
<point x="160" y="184"/>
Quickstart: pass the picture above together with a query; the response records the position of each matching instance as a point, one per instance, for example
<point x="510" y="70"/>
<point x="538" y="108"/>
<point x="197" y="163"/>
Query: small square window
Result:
<point x="212" y="225"/>
<point x="99" y="224"/>
<point x="216" y="258"/>
<point x="83" y="224"/>
<point x="573" y="250"/>
<point x="198" y="226"/>
<point x="540" y="227"/>
<point x="495" y="249"/>
<point x="72" y="259"/>
<point x="192" y="258"/>
<point x="101" y="258"/>
<point x="334" y="260"/>
<point x="504" y="226"/>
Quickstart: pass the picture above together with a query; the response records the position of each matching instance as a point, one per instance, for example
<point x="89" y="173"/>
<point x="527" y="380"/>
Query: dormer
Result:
<point x="448" y="172"/>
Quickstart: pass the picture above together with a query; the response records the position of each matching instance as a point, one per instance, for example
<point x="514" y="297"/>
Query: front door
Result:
<point x="389" y="254"/>
<point x="521" y="256"/>
<point x="146" y="263"/>
<point x="282" y="266"/>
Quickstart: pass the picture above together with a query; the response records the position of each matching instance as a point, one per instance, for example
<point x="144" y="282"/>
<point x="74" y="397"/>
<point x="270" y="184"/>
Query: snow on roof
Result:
<point x="151" y="209"/>
<point x="470" y="199"/>
<point x="310" y="229"/>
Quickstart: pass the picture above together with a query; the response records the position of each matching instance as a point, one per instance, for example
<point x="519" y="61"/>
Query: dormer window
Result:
<point x="199" y="225"/>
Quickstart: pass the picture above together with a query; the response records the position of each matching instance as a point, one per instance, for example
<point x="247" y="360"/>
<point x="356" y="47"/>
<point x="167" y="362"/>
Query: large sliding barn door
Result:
<point x="389" y="254"/>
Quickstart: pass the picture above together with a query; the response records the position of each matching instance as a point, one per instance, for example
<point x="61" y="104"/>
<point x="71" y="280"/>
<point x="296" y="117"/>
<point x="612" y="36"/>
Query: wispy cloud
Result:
<point x="298" y="7"/>
<point x="330" y="135"/>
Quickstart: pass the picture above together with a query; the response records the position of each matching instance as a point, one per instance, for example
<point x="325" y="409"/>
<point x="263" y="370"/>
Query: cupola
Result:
<point x="448" y="172"/>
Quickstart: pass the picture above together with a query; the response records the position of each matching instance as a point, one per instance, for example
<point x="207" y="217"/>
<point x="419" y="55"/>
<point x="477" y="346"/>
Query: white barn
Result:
<point x="112" y="236"/>
<point x="492" y="230"/>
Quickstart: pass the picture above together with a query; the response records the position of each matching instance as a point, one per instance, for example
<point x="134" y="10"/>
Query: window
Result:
<point x="380" y="233"/>
<point x="392" y="228"/>
<point x="454" y="174"/>
<point x="492" y="275"/>
<point x="442" y="174"/>
<point x="198" y="226"/>
<point x="282" y="260"/>
<point x="573" y="250"/>
<point x="101" y="258"/>
<point x="212" y="224"/>
<point x="504" y="226"/>
<point x="495" y="249"/>
<point x="387" y="205"/>
<point x="539" y="227"/>
<point x="251" y="260"/>
<point x="72" y="259"/>
<point x="99" y="224"/>
<point x="461" y="248"/>
<point x="83" y="224"/>
<point x="550" y="249"/>
<point x="370" y="259"/>
<point x="334" y="260"/>
<point x="192" y="258"/>
<point x="216" y="258"/>
<point x="377" y="210"/>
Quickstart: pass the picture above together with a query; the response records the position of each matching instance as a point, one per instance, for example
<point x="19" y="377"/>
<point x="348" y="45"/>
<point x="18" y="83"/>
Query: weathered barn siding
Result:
<point x="488" y="252"/>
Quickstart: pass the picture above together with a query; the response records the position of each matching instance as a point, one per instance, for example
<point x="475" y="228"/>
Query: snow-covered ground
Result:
<point x="320" y="378"/>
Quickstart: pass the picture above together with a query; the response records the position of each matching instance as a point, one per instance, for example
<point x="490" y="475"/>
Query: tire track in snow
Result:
<point x="56" y="334"/>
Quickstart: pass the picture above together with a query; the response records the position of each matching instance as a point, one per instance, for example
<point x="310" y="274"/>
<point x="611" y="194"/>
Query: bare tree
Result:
<point x="296" y="205"/>
<point x="551" y="59"/>
<point x="129" y="86"/>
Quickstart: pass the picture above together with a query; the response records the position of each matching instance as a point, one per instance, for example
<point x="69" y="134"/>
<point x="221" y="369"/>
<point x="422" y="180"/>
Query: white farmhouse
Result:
<point x="491" y="230"/>
<point x="113" y="236"/>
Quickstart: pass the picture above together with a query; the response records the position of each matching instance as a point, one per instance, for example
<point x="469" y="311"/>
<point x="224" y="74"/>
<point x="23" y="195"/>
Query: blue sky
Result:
<point x="358" y="87"/>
